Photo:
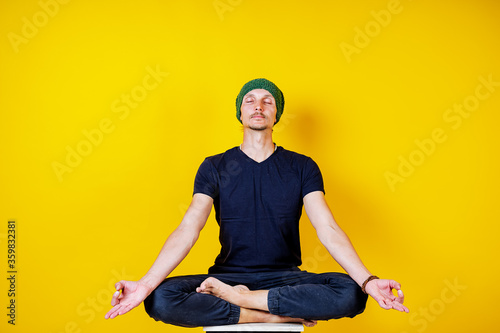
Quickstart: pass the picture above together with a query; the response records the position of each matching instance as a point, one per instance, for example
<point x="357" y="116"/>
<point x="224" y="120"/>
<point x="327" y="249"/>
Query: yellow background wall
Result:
<point x="397" y="101"/>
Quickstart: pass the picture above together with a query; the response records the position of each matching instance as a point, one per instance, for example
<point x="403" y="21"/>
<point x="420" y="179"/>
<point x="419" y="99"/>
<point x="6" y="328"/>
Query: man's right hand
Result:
<point x="132" y="294"/>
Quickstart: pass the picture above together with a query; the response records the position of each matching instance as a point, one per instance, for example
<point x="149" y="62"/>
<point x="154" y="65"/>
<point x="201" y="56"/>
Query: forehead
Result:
<point x="259" y="93"/>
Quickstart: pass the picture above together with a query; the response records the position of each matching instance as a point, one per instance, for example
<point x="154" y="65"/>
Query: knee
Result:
<point x="354" y="299"/>
<point x="161" y="304"/>
<point x="349" y="298"/>
<point x="155" y="305"/>
<point x="152" y="306"/>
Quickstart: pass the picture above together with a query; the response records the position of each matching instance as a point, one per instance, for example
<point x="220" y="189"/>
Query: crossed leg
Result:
<point x="252" y="303"/>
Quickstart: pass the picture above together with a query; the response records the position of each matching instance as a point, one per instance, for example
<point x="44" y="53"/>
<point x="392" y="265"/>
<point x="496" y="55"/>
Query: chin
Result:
<point x="258" y="128"/>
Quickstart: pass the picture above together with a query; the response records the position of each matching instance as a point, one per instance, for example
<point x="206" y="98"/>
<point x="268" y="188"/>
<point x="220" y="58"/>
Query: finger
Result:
<point x="384" y="305"/>
<point x="115" y="298"/>
<point x="394" y="285"/>
<point x="126" y="309"/>
<point x="106" y="316"/>
<point x="112" y="313"/>
<point x="400" y="307"/>
<point x="396" y="304"/>
<point x="401" y="296"/>
<point x="118" y="311"/>
<point x="390" y="297"/>
<point x="119" y="285"/>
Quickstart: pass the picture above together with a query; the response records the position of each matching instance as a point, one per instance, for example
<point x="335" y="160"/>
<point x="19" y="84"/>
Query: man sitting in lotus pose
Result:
<point x="258" y="190"/>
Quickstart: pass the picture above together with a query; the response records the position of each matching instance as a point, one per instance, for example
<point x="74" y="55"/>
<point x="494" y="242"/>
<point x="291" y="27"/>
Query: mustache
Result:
<point x="260" y="114"/>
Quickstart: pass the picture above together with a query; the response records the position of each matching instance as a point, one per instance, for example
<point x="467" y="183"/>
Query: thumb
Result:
<point x="115" y="298"/>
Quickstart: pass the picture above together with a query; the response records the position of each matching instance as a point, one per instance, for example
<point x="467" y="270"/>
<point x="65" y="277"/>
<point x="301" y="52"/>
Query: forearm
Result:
<point x="341" y="249"/>
<point x="174" y="250"/>
<point x="333" y="237"/>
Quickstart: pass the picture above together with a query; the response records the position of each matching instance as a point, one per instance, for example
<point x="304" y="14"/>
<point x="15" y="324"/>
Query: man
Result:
<point x="258" y="190"/>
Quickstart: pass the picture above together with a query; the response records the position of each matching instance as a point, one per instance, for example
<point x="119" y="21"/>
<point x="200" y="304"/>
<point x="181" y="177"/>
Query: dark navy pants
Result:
<point x="296" y="294"/>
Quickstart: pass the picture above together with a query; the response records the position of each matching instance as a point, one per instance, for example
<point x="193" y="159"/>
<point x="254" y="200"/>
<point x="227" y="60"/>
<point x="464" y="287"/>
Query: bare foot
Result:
<point x="280" y="319"/>
<point x="241" y="287"/>
<point x="213" y="286"/>
<point x="238" y="295"/>
<point x="253" y="304"/>
<point x="309" y="323"/>
<point x="256" y="316"/>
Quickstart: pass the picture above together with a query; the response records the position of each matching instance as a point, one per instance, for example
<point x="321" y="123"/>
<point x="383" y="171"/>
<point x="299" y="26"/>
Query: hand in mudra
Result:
<point x="381" y="291"/>
<point x="132" y="294"/>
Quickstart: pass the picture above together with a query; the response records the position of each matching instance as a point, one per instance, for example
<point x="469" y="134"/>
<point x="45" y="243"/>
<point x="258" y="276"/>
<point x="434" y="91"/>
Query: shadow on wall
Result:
<point x="302" y="129"/>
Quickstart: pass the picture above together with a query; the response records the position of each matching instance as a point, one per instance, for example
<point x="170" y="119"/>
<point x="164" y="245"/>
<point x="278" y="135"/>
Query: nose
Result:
<point x="258" y="106"/>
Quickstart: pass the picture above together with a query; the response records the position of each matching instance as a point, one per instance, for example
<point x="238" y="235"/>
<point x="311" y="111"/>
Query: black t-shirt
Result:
<point x="258" y="207"/>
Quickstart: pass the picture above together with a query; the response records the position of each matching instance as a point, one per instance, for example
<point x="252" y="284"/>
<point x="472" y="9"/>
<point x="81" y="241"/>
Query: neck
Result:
<point x="258" y="145"/>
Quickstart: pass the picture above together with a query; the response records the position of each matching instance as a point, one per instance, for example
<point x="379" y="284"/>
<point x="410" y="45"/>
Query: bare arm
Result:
<point x="175" y="249"/>
<point x="333" y="237"/>
<point x="180" y="241"/>
<point x="341" y="249"/>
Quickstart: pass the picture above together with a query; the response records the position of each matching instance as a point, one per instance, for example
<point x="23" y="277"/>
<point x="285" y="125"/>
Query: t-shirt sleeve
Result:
<point x="312" y="180"/>
<point x="206" y="180"/>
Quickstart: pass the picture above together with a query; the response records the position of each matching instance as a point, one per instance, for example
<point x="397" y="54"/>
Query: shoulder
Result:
<point x="308" y="171"/>
<point x="217" y="159"/>
<point x="207" y="176"/>
<point x="294" y="156"/>
<point x="301" y="163"/>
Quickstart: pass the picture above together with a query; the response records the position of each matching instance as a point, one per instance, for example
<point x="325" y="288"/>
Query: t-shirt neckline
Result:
<point x="278" y="148"/>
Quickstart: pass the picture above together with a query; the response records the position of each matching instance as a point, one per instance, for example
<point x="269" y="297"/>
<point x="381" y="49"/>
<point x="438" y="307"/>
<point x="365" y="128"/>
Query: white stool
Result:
<point x="256" y="327"/>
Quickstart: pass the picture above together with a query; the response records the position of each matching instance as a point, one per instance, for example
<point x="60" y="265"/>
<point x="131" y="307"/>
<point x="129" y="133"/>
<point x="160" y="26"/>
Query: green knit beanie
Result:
<point x="261" y="84"/>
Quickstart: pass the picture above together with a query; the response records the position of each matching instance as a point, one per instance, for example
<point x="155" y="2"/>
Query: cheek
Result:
<point x="245" y="111"/>
<point x="274" y="114"/>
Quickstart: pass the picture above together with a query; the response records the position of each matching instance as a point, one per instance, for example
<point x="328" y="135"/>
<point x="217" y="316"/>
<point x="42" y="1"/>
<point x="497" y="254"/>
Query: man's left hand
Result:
<point x="381" y="291"/>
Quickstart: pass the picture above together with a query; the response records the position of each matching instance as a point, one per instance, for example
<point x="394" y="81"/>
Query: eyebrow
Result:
<point x="252" y="95"/>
